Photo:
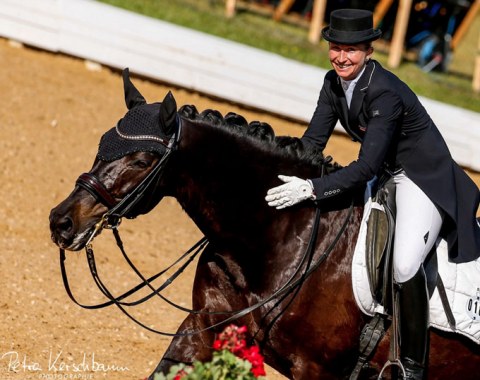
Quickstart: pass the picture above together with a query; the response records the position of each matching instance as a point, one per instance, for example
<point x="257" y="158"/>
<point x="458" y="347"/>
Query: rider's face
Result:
<point x="348" y="60"/>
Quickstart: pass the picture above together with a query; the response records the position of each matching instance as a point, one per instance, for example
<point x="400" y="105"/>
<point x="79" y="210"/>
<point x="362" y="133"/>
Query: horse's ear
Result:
<point x="168" y="113"/>
<point x="133" y="97"/>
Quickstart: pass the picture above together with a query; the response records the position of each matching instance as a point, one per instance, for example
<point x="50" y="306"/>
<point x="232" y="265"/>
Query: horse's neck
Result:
<point x="220" y="181"/>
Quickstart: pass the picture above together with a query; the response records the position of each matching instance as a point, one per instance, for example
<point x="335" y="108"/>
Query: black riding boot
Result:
<point x="414" y="312"/>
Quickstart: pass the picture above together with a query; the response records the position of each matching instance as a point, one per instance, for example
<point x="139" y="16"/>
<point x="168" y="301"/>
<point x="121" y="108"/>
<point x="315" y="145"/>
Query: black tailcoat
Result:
<point x="394" y="129"/>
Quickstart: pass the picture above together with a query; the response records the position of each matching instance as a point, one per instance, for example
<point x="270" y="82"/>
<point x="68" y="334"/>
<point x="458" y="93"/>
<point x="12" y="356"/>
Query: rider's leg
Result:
<point x="413" y="304"/>
<point x="418" y="224"/>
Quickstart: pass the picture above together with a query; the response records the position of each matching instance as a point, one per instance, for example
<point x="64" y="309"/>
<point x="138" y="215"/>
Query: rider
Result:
<point x="434" y="196"/>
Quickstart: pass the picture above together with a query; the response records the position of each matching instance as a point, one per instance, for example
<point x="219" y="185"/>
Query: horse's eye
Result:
<point x="141" y="164"/>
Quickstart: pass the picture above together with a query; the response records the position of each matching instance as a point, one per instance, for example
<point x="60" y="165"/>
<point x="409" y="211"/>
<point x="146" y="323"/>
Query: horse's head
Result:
<point x="130" y="160"/>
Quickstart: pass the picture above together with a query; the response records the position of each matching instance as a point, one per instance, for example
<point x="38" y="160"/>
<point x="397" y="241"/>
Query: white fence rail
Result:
<point x="197" y="61"/>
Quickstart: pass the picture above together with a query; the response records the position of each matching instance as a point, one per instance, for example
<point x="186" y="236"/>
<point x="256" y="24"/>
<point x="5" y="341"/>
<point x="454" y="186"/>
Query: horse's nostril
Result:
<point x="65" y="224"/>
<point x="60" y="225"/>
<point x="62" y="229"/>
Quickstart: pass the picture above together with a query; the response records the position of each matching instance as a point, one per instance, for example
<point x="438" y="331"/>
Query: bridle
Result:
<point x="118" y="209"/>
<point x="112" y="219"/>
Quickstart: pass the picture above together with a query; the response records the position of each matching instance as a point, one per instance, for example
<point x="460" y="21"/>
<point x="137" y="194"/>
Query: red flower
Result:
<point x="258" y="371"/>
<point x="242" y="329"/>
<point x="217" y="345"/>
<point x="253" y="355"/>
<point x="239" y="346"/>
<point x="232" y="338"/>
<point x="180" y="374"/>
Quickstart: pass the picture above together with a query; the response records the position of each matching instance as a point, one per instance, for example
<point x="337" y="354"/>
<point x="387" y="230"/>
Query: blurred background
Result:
<point x="432" y="45"/>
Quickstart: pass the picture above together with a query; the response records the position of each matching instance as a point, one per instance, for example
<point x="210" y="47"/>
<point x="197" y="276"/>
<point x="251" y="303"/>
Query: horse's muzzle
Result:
<point x="61" y="229"/>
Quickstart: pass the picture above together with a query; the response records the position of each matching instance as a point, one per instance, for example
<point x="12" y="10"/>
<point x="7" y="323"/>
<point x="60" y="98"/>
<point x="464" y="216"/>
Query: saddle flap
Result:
<point x="379" y="241"/>
<point x="376" y="243"/>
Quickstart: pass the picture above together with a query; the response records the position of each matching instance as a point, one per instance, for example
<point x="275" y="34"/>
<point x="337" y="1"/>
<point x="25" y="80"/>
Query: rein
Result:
<point x="198" y="247"/>
<point x="290" y="284"/>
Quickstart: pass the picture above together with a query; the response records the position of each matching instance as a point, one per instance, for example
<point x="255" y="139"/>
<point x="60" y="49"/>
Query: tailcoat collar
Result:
<point x="350" y="116"/>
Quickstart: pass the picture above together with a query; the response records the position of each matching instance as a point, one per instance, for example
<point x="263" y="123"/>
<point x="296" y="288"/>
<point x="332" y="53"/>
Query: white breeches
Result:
<point x="418" y="224"/>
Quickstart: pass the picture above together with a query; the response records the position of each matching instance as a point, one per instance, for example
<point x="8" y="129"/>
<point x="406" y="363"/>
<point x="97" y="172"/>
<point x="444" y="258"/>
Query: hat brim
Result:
<point x="349" y="38"/>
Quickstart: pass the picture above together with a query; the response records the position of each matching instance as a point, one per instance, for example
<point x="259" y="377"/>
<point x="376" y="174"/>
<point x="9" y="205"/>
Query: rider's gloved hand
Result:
<point x="293" y="191"/>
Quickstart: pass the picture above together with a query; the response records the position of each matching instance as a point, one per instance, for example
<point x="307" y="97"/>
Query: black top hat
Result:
<point x="351" y="26"/>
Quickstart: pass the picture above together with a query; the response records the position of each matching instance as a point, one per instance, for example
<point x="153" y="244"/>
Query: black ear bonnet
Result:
<point x="144" y="128"/>
<point x="138" y="131"/>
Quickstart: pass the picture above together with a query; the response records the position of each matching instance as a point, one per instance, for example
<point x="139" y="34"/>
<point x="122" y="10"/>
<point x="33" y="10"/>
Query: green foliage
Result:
<point x="232" y="359"/>
<point x="291" y="41"/>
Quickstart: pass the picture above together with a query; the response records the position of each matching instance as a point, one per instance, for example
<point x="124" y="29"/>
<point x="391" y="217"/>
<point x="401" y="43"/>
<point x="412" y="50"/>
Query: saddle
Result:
<point x="379" y="265"/>
<point x="378" y="259"/>
<point x="379" y="246"/>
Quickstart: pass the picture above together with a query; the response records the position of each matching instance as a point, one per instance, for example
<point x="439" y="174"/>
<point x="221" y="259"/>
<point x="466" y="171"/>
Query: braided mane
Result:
<point x="262" y="132"/>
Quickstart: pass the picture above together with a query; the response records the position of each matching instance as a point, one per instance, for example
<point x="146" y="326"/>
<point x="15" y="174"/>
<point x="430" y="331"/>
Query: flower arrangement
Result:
<point x="232" y="360"/>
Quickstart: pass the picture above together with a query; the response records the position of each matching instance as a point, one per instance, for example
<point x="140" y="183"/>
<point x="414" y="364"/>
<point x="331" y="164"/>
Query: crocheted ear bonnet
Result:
<point x="138" y="131"/>
<point x="144" y="128"/>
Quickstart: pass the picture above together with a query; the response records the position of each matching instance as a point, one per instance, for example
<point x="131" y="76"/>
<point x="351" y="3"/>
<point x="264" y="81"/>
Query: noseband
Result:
<point x="92" y="184"/>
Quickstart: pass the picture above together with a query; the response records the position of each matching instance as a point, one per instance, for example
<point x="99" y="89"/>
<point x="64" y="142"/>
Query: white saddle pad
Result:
<point x="462" y="286"/>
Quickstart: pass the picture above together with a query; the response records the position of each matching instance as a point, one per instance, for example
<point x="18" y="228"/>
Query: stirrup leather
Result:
<point x="370" y="336"/>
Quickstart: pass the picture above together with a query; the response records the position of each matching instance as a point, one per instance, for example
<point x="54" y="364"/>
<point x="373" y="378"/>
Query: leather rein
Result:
<point x="112" y="219"/>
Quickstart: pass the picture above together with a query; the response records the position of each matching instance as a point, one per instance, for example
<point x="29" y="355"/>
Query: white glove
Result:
<point x="293" y="191"/>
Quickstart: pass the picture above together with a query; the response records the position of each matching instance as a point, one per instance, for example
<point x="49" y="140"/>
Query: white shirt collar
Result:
<point x="353" y="82"/>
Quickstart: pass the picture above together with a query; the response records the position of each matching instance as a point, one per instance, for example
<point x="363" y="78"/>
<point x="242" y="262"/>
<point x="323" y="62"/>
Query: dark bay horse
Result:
<point x="219" y="170"/>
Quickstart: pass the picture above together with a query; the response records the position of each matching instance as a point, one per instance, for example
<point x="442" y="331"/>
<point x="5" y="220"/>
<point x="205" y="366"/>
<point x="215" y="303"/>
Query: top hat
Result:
<point x="351" y="26"/>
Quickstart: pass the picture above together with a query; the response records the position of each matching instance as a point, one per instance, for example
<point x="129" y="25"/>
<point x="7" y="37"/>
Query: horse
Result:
<point x="219" y="169"/>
